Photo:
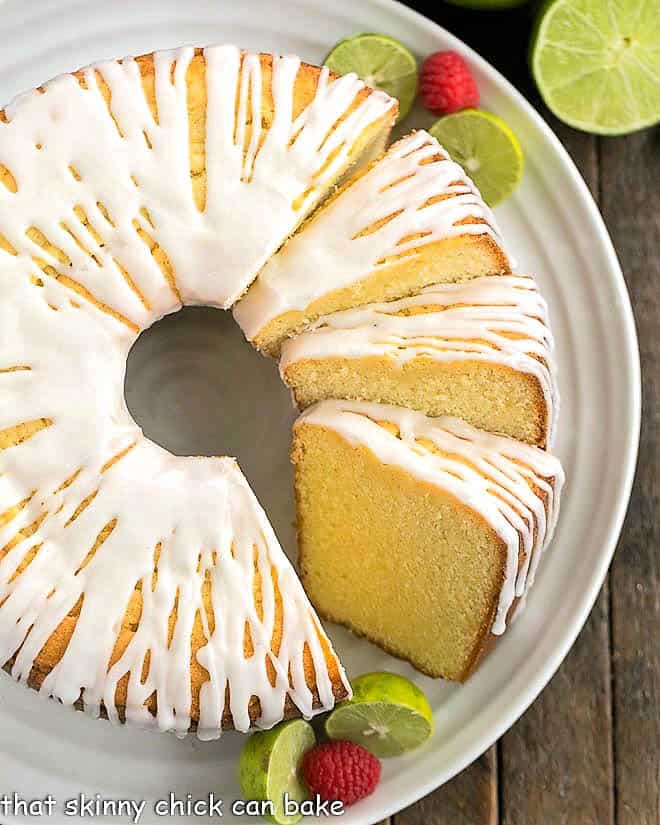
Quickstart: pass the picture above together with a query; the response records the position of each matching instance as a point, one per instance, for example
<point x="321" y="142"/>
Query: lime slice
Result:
<point x="388" y="715"/>
<point x="269" y="767"/>
<point x="486" y="148"/>
<point x="597" y="64"/>
<point x="382" y="62"/>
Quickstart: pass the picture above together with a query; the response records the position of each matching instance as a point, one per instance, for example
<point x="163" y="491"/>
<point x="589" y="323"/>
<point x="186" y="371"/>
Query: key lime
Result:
<point x="388" y="715"/>
<point x="382" y="62"/>
<point x="597" y="64"/>
<point x="486" y="148"/>
<point x="269" y="767"/>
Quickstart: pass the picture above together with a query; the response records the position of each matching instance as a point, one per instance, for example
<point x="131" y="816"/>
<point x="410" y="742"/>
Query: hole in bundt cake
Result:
<point x="196" y="388"/>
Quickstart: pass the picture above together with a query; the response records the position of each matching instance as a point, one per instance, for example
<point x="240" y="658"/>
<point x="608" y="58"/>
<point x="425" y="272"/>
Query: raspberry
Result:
<point x="446" y="85"/>
<point x="341" y="770"/>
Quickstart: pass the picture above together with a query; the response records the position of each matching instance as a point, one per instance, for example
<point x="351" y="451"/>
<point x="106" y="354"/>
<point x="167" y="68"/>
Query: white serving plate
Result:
<point x="224" y="398"/>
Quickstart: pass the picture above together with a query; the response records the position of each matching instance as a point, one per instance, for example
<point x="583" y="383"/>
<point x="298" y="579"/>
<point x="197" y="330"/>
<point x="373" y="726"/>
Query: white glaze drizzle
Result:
<point x="473" y="321"/>
<point x="330" y="252"/>
<point x="493" y="475"/>
<point x="255" y="196"/>
<point x="62" y="358"/>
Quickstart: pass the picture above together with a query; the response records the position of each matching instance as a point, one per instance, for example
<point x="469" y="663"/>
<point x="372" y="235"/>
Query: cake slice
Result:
<point x="409" y="220"/>
<point x="481" y="351"/>
<point x="419" y="533"/>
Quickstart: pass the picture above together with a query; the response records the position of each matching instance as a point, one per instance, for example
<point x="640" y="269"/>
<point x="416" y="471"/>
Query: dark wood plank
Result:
<point x="469" y="799"/>
<point x="631" y="207"/>
<point x="556" y="762"/>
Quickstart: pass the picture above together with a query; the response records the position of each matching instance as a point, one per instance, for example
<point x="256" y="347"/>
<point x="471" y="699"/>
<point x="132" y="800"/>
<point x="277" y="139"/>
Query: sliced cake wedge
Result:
<point x="480" y="350"/>
<point x="419" y="533"/>
<point x="410" y="219"/>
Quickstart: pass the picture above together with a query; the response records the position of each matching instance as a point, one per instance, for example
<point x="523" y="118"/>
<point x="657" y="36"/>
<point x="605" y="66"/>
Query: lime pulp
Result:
<point x="388" y="715"/>
<point x="382" y="62"/>
<point x="597" y="64"/>
<point x="269" y="767"/>
<point x="486" y="148"/>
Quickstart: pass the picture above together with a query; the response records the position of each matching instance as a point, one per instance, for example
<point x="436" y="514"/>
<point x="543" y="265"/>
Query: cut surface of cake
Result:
<point x="419" y="533"/>
<point x="410" y="219"/>
<point x="481" y="351"/>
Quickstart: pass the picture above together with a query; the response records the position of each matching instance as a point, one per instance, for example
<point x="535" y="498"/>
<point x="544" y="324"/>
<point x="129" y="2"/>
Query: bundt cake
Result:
<point x="419" y="533"/>
<point x="481" y="351"/>
<point x="410" y="219"/>
<point x="133" y="583"/>
<point x="150" y="588"/>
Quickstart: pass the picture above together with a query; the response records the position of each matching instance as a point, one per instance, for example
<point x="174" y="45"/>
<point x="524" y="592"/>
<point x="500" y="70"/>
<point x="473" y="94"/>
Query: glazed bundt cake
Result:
<point x="150" y="588"/>
<point x="481" y="351"/>
<point x="133" y="583"/>
<point x="410" y="219"/>
<point x="419" y="533"/>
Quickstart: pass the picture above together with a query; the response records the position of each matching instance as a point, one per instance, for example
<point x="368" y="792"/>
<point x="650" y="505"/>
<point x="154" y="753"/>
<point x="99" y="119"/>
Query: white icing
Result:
<point x="495" y="476"/>
<point x="473" y="321"/>
<point x="256" y="195"/>
<point x="330" y="253"/>
<point x="62" y="358"/>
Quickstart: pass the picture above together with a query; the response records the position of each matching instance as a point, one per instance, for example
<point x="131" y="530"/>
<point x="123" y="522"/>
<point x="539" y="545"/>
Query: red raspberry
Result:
<point x="446" y="85"/>
<point x="341" y="770"/>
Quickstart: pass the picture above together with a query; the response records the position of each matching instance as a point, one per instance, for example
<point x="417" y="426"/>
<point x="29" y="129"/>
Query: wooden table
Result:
<point x="587" y="752"/>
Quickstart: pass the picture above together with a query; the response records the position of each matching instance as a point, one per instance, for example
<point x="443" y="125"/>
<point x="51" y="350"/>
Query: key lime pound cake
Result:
<point x="150" y="588"/>
<point x="135" y="584"/>
<point x="481" y="351"/>
<point x="410" y="219"/>
<point x="419" y="533"/>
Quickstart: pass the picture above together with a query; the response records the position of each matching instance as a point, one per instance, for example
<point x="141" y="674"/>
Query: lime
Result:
<point x="486" y="148"/>
<point x="388" y="715"/>
<point x="597" y="64"/>
<point x="382" y="62"/>
<point x="269" y="766"/>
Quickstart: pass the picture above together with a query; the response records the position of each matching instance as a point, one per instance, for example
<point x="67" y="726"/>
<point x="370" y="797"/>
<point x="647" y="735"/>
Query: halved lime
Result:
<point x="269" y="767"/>
<point x="382" y="62"/>
<point x="486" y="148"/>
<point x="597" y="64"/>
<point x="388" y="715"/>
